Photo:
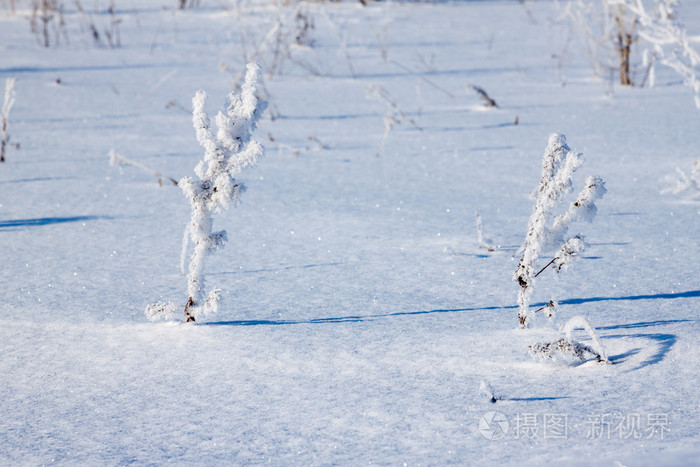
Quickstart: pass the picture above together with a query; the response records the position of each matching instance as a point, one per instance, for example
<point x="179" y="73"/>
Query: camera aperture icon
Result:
<point x="494" y="426"/>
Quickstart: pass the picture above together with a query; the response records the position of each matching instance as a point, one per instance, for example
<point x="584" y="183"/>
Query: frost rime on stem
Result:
<point x="6" y="107"/>
<point x="558" y="166"/>
<point x="225" y="156"/>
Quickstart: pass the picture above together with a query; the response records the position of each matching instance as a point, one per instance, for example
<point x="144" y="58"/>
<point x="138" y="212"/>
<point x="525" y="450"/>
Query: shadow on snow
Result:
<point x="664" y="342"/>
<point x="366" y="318"/>
<point x="46" y="221"/>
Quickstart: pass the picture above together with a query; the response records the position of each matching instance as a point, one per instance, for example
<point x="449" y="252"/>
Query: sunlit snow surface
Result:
<point x="359" y="316"/>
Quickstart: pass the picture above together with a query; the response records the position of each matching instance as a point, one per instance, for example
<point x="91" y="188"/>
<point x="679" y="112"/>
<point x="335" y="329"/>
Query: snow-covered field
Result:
<point x="360" y="317"/>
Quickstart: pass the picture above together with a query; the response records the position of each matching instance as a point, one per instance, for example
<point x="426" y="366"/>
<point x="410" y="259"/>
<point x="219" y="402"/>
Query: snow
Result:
<point x="359" y="317"/>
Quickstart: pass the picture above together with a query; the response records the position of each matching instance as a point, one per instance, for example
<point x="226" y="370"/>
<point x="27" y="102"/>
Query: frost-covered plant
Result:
<point x="226" y="154"/>
<point x="568" y="346"/>
<point x="610" y="29"/>
<point x="558" y="166"/>
<point x="483" y="243"/>
<point x="6" y="107"/>
<point x="275" y="40"/>
<point x="666" y="41"/>
<point x="393" y="114"/>
<point x="683" y="183"/>
<point x="630" y="35"/>
<point x="116" y="159"/>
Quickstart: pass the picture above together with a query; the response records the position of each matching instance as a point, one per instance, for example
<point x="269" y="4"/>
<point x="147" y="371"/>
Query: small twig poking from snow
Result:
<point x="6" y="107"/>
<point x="342" y="40"/>
<point x="424" y="78"/>
<point x="487" y="390"/>
<point x="484" y="244"/>
<point x="486" y="100"/>
<point x="116" y="159"/>
<point x="550" y="309"/>
<point x="393" y="114"/>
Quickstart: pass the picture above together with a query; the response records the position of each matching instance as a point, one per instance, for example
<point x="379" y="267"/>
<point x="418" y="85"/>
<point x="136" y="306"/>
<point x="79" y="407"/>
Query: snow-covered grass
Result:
<point x="359" y="316"/>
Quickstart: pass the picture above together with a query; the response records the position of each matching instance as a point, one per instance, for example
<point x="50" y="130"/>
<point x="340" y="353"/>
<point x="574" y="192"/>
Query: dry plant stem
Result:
<point x="342" y="41"/>
<point x="189" y="317"/>
<point x="116" y="159"/>
<point x="488" y="101"/>
<point x="421" y="76"/>
<point x="546" y="266"/>
<point x="548" y="305"/>
<point x="625" y="39"/>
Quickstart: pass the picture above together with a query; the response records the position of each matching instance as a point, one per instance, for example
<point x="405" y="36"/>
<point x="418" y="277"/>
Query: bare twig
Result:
<point x="116" y="159"/>
<point x="485" y="98"/>
<point x="423" y="77"/>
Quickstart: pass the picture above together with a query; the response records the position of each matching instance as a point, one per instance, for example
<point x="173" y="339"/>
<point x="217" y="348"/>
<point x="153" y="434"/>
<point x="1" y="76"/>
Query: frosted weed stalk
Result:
<point x="6" y="107"/>
<point x="558" y="166"/>
<point x="226" y="154"/>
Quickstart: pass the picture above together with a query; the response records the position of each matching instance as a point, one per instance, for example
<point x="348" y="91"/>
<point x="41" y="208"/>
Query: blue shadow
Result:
<point x="535" y="399"/>
<point x="645" y="324"/>
<point x="578" y="301"/>
<point x="47" y="221"/>
<point x="663" y="341"/>
<point x="367" y="318"/>
<point x="38" y="179"/>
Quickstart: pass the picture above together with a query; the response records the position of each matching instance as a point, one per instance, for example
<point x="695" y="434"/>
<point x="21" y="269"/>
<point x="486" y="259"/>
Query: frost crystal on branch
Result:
<point x="666" y="41"/>
<point x="558" y="166"/>
<point x="686" y="184"/>
<point x="8" y="102"/>
<point x="216" y="188"/>
<point x="621" y="27"/>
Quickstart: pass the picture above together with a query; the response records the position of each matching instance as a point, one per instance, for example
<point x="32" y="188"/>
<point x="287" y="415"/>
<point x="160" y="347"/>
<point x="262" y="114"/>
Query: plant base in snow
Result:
<point x="564" y="347"/>
<point x="161" y="310"/>
<point x="487" y="390"/>
<point x="568" y="346"/>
